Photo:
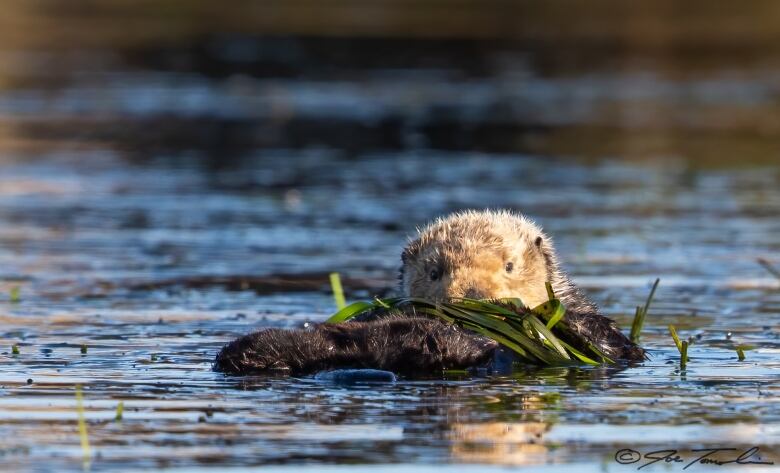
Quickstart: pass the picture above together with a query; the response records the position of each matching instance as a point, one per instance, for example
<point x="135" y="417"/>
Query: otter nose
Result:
<point x="474" y="293"/>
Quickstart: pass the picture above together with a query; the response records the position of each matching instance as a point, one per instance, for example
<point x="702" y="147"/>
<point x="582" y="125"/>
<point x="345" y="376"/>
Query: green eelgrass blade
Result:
<point x="485" y="306"/>
<point x="435" y="313"/>
<point x="486" y="325"/>
<point x="675" y="337"/>
<point x="741" y="349"/>
<point x="504" y="341"/>
<point x="82" y="424"/>
<point x="550" y="293"/>
<point x="650" y="298"/>
<point x="502" y="328"/>
<point x="514" y="302"/>
<point x="684" y="355"/>
<point x="552" y="311"/>
<point x="641" y="312"/>
<point x="14" y="295"/>
<point x="599" y="353"/>
<point x="548" y="336"/>
<point x="533" y="335"/>
<point x="338" y="291"/>
<point x="381" y="303"/>
<point x="636" y="325"/>
<point x="349" y="311"/>
<point x="581" y="356"/>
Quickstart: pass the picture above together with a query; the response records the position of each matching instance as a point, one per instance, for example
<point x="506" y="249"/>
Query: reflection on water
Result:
<point x="500" y="442"/>
<point x="165" y="190"/>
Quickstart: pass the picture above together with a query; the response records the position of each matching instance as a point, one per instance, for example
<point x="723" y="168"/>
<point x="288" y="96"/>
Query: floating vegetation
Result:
<point x="769" y="267"/>
<point x="679" y="344"/>
<point x="83" y="348"/>
<point x="120" y="409"/>
<point x="675" y="337"/>
<point x="338" y="291"/>
<point x="15" y="349"/>
<point x="535" y="335"/>
<point x="15" y="294"/>
<point x="636" y="325"/>
<point x="82" y="425"/>
<point x="641" y="312"/>
<point x="741" y="349"/>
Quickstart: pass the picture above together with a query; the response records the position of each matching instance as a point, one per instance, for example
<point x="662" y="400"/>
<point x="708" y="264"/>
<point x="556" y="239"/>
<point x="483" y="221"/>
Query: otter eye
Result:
<point x="509" y="267"/>
<point x="434" y="274"/>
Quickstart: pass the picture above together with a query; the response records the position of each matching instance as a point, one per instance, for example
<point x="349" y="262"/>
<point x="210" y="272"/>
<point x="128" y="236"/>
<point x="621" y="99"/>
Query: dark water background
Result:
<point x="174" y="174"/>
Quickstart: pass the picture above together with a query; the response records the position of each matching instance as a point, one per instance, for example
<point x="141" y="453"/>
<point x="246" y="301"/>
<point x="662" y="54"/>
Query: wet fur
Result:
<point x="405" y="345"/>
<point x="470" y="249"/>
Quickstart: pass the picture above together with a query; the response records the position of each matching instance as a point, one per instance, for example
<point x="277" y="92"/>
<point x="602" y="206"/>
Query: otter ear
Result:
<point x="410" y="251"/>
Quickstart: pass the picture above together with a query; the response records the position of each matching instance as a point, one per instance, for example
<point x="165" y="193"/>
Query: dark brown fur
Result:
<point x="406" y="345"/>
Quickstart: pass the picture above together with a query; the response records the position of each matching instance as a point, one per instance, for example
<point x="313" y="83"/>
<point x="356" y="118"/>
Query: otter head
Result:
<point x="479" y="255"/>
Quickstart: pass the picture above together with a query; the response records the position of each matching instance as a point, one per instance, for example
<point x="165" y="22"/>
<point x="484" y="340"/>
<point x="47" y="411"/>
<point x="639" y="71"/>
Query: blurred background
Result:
<point x="218" y="82"/>
<point x="175" y="173"/>
<point x="271" y="137"/>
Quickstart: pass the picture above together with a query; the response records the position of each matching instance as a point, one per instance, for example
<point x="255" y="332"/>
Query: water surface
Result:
<point x="152" y="210"/>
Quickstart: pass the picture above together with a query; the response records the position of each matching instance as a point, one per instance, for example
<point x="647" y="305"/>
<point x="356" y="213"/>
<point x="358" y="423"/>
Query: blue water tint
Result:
<point x="155" y="214"/>
<point x="131" y="292"/>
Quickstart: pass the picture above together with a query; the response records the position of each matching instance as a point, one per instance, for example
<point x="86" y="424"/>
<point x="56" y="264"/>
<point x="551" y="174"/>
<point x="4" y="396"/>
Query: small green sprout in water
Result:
<point x="338" y="291"/>
<point x="120" y="409"/>
<point x="677" y="341"/>
<point x="684" y="355"/>
<point x="769" y="267"/>
<point x="675" y="337"/>
<point x="741" y="349"/>
<point x="83" y="348"/>
<point x="153" y="357"/>
<point x="82" y="425"/>
<point x="641" y="312"/>
<point x="636" y="325"/>
<point x="14" y="295"/>
<point x="15" y="349"/>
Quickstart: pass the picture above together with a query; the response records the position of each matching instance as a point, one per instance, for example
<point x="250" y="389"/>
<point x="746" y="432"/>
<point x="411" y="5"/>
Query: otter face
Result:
<point x="478" y="255"/>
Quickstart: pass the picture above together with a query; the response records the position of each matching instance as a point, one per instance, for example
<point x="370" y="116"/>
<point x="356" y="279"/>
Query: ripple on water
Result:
<point x="153" y="258"/>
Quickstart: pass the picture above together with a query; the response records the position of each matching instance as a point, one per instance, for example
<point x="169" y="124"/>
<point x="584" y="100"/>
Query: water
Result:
<point x="154" y="212"/>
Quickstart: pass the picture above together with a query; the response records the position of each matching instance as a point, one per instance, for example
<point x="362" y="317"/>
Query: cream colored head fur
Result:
<point x="481" y="255"/>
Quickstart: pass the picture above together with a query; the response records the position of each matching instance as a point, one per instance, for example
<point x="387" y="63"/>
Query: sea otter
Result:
<point x="473" y="254"/>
